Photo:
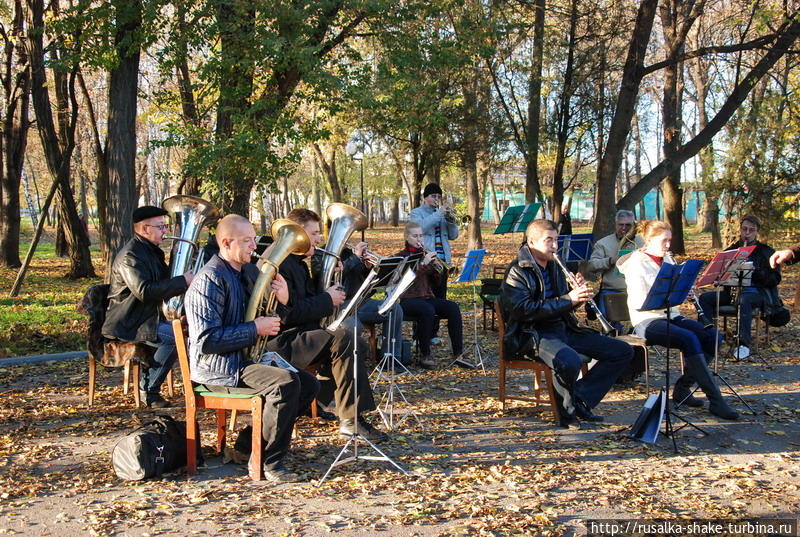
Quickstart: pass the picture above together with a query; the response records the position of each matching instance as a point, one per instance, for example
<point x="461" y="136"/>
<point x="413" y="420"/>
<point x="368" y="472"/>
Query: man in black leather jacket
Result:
<point x="140" y="282"/>
<point x="304" y="342"/>
<point x="540" y="324"/>
<point x="762" y="293"/>
<point x="219" y="336"/>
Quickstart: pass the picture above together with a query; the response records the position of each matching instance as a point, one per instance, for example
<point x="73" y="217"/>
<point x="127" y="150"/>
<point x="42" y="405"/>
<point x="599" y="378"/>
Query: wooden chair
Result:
<point x="490" y="290"/>
<point x="544" y="395"/>
<point x="198" y="397"/>
<point x="129" y="354"/>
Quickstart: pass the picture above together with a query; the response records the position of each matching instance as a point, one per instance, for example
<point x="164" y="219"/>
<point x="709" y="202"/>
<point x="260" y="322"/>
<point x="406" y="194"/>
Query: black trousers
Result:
<point x="286" y="394"/>
<point x="424" y="311"/>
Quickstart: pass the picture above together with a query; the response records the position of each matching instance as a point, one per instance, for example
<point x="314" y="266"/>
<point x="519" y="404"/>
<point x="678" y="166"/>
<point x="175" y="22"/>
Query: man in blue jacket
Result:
<point x="218" y="337"/>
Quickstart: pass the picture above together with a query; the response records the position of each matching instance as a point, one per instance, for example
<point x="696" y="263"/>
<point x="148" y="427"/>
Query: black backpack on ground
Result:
<point x="157" y="447"/>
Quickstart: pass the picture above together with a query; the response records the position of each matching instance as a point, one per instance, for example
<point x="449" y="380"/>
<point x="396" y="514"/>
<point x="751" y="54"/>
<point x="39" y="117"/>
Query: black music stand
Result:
<point x="670" y="288"/>
<point x="363" y="292"/>
<point x="469" y="273"/>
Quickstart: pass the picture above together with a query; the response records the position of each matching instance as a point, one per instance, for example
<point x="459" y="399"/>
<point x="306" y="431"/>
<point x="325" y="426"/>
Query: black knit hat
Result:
<point x="431" y="188"/>
<point x="147" y="211"/>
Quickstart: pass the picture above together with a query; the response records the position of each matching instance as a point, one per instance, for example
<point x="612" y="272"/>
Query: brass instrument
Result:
<point x="190" y="214"/>
<point x="440" y="265"/>
<point x="345" y="220"/>
<point x="371" y="256"/>
<point x="573" y="281"/>
<point x="627" y="237"/>
<point x="701" y="315"/>
<point x="289" y="238"/>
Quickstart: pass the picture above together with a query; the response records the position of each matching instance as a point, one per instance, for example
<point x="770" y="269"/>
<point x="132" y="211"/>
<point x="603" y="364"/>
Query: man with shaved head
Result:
<point x="219" y="336"/>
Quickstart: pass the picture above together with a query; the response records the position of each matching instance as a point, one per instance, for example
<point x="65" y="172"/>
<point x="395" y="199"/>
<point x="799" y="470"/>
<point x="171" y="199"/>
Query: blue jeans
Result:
<point x="685" y="334"/>
<point x="368" y="313"/>
<point x="559" y="348"/>
<point x="750" y="298"/>
<point x="163" y="360"/>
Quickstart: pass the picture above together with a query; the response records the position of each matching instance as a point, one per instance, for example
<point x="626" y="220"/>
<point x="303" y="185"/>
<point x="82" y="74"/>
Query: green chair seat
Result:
<point x="200" y="390"/>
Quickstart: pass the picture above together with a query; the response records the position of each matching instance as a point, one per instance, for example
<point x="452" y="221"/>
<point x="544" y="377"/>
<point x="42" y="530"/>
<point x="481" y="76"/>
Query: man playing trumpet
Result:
<point x="218" y="337"/>
<point x="539" y="309"/>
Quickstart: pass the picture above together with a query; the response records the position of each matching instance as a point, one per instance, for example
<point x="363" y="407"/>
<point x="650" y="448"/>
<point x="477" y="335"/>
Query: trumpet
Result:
<point x="440" y="265"/>
<point x="369" y="255"/>
<point x="573" y="281"/>
<point x="701" y="315"/>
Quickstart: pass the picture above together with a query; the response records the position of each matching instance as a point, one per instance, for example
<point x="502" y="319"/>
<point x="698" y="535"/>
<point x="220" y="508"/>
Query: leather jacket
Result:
<point x="140" y="282"/>
<point x="765" y="278"/>
<point x="215" y="305"/>
<point x="525" y="309"/>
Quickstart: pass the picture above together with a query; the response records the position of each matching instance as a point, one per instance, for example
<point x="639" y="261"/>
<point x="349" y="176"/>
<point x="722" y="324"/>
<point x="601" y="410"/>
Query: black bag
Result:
<point x="156" y="447"/>
<point x="779" y="317"/>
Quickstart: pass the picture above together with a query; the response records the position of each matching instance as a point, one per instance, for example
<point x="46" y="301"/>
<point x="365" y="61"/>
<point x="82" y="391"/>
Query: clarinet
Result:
<point x="607" y="328"/>
<point x="701" y="315"/>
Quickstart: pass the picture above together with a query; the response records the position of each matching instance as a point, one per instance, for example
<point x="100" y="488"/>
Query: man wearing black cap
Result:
<point x="438" y="228"/>
<point x="140" y="282"/>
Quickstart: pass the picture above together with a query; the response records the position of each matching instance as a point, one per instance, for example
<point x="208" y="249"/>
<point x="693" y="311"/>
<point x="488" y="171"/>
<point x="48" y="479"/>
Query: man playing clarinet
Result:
<point x="540" y="324"/>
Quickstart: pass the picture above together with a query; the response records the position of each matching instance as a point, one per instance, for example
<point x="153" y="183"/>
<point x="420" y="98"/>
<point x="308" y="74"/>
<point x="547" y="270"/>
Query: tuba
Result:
<point x="190" y="214"/>
<point x="289" y="238"/>
<point x="344" y="219"/>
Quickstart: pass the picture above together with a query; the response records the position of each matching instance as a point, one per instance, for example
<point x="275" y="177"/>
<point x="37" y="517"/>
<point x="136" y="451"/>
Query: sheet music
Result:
<point x="405" y="282"/>
<point x="356" y="300"/>
<point x="276" y="360"/>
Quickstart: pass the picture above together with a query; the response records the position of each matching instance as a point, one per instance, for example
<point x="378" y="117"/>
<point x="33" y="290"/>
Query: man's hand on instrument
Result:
<point x="337" y="295"/>
<point x="780" y="257"/>
<point x="189" y="276"/>
<point x="581" y="294"/>
<point x="267" y="326"/>
<point x="281" y="289"/>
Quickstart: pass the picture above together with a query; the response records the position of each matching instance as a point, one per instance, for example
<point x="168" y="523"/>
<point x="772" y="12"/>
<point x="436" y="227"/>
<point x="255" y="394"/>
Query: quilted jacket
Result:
<point x="215" y="304"/>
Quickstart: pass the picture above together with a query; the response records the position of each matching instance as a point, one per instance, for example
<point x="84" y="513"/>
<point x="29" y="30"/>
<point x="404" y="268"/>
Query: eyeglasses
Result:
<point x="162" y="227"/>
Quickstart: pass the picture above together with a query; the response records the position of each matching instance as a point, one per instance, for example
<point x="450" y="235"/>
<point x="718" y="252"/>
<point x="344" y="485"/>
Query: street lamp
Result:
<point x="354" y="149"/>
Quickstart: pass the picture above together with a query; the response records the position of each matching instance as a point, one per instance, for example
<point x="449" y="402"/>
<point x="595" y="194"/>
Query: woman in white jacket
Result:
<point x="695" y="342"/>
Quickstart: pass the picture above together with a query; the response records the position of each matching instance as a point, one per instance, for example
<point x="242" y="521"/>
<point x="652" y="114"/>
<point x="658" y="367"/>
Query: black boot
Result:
<point x="682" y="393"/>
<point x="696" y="367"/>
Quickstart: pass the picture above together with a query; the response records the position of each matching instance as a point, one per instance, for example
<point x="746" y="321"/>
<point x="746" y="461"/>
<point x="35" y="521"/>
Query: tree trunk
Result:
<point x="328" y="167"/>
<point x="58" y="151"/>
<point x="621" y="122"/>
<point x="120" y="149"/>
<point x="16" y="124"/>
<point x="533" y="189"/>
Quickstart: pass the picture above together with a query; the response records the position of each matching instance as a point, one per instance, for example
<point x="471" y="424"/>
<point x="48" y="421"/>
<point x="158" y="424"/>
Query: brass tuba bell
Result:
<point x="289" y="238"/>
<point x="190" y="214"/>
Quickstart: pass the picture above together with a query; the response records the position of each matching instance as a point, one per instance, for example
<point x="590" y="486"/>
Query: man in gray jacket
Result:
<point x="605" y="254"/>
<point x="218" y="337"/>
<point x="438" y="228"/>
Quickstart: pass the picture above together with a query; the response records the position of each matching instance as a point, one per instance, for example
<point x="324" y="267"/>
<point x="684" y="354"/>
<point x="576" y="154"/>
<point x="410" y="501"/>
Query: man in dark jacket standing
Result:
<point x="304" y="342"/>
<point x="140" y="283"/>
<point x="218" y="337"/>
<point x="762" y="293"/>
<point x="538" y="307"/>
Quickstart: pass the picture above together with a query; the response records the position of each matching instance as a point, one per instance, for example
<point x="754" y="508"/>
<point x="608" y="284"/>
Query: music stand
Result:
<point x="719" y="271"/>
<point x="573" y="248"/>
<point x="670" y="288"/>
<point x="388" y="363"/>
<point x="517" y="218"/>
<point x="473" y="260"/>
<point x="363" y="292"/>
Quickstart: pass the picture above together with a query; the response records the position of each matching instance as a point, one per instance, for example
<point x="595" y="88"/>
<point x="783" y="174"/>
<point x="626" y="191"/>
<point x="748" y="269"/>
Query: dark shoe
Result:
<point x="323" y="414"/>
<point x="365" y="429"/>
<point x="426" y="362"/>
<point x="682" y="394"/>
<point x="569" y="421"/>
<point x="721" y="409"/>
<point x="154" y="400"/>
<point x="585" y="413"/>
<point x="278" y="473"/>
<point x="462" y="362"/>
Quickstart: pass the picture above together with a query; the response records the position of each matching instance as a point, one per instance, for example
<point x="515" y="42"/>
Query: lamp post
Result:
<point x="353" y="149"/>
